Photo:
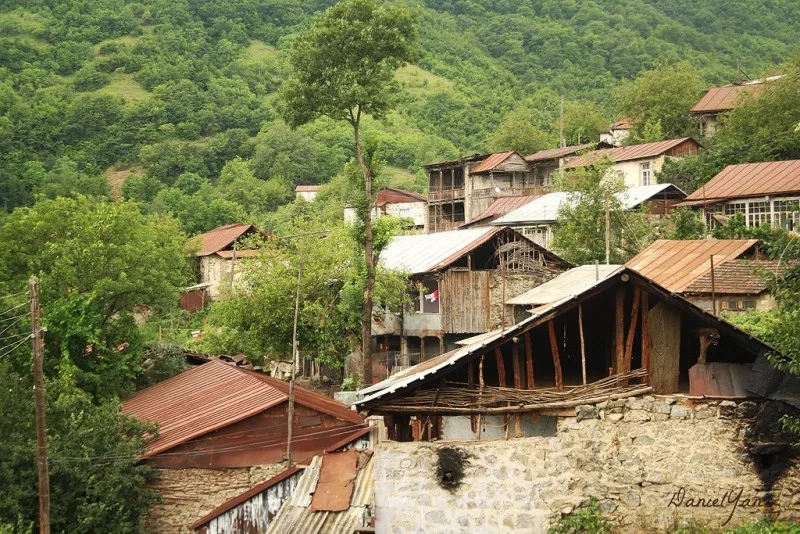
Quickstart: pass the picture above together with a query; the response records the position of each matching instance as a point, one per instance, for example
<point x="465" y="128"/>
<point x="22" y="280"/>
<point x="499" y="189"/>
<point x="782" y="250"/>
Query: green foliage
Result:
<point x="580" y="234"/>
<point x="161" y="362"/>
<point x="776" y="242"/>
<point x="587" y="520"/>
<point x="97" y="483"/>
<point x="687" y="224"/>
<point x="518" y="132"/>
<point x="658" y="100"/>
<point x="99" y="263"/>
<point x="764" y="526"/>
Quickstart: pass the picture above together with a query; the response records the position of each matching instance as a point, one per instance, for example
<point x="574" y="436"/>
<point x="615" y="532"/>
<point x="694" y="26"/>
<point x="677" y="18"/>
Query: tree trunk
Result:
<point x="366" y="318"/>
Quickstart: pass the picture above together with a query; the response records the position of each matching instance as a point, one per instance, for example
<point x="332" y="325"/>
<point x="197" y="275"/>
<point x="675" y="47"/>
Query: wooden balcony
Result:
<point x="490" y="192"/>
<point x="445" y="195"/>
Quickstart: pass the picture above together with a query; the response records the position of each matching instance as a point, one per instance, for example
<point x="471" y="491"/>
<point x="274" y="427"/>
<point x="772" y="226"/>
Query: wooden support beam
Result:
<point x="619" y="331"/>
<point x="501" y="367"/>
<point x="632" y="329"/>
<point x="556" y="358"/>
<point x="471" y="385"/>
<point x="517" y="384"/>
<point x="480" y="396"/>
<point x="583" y="344"/>
<point x="646" y="336"/>
<point x="529" y="359"/>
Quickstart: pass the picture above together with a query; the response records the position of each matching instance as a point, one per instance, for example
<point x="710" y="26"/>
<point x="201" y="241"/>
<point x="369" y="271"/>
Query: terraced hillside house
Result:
<point x="637" y="165"/>
<point x="719" y="100"/>
<point x="223" y="429"/>
<point x="396" y="203"/>
<point x="763" y="193"/>
<point x="460" y="280"/>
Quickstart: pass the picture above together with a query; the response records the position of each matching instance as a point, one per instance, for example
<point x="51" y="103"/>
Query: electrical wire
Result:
<point x="12" y="347"/>
<point x="26" y="303"/>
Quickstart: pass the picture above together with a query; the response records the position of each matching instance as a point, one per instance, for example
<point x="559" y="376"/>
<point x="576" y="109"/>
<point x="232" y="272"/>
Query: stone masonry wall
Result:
<point x="651" y="464"/>
<point x="189" y="494"/>
<point x="516" y="284"/>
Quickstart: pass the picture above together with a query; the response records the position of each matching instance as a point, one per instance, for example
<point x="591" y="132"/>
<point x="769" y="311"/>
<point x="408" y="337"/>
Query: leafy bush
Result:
<point x="586" y="520"/>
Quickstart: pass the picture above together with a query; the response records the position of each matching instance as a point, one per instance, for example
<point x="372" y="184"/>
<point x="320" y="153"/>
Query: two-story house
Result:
<point x="719" y="100"/>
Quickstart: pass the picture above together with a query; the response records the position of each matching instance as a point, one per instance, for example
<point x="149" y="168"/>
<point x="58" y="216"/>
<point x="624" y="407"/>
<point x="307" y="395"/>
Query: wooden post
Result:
<point x="501" y="367"/>
<point x="583" y="345"/>
<point x="632" y="329"/>
<point x="517" y="385"/>
<point x="713" y="287"/>
<point x="646" y="336"/>
<point x="556" y="358"/>
<point x="441" y="344"/>
<point x="529" y="359"/>
<point x="480" y="397"/>
<point x="619" y="331"/>
<point x="38" y="392"/>
<point x="471" y="385"/>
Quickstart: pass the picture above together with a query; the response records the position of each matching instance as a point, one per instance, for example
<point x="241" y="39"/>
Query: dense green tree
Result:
<point x="344" y="68"/>
<point x="99" y="264"/>
<point x="518" y="132"/>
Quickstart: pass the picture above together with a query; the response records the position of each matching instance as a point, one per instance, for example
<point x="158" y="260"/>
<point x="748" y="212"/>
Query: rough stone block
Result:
<point x="679" y="411"/>
<point x="660" y="407"/>
<point x="636" y="416"/>
<point x="746" y="410"/>
<point x="643" y="440"/>
<point x="586" y="411"/>
<point x="659" y="416"/>
<point x="614" y="417"/>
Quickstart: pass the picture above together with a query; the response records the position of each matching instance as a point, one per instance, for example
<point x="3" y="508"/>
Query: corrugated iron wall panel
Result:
<point x="465" y="302"/>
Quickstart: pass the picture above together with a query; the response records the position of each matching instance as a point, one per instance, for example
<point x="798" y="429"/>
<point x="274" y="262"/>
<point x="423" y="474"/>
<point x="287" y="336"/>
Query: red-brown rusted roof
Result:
<point x="459" y="161"/>
<point x="631" y="152"/>
<point x="307" y="188"/>
<point x="220" y="238"/>
<point x="492" y="161"/>
<point x="555" y="153"/>
<point x="212" y="396"/>
<point x="499" y="207"/>
<point x="751" y="180"/>
<point x="391" y="195"/>
<point x="676" y="264"/>
<point x="738" y="277"/>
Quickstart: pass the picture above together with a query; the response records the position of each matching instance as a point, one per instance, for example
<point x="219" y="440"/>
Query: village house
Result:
<point x="764" y="193"/>
<point x="545" y="163"/>
<point x="740" y="273"/>
<point x="218" y="251"/>
<point x="537" y="217"/>
<point x="460" y="189"/>
<point x="636" y="165"/>
<point x="719" y="100"/>
<point x="223" y="429"/>
<point x="397" y="203"/>
<point x="498" y="208"/>
<point x="307" y="192"/>
<point x="460" y="279"/>
<point x="618" y="132"/>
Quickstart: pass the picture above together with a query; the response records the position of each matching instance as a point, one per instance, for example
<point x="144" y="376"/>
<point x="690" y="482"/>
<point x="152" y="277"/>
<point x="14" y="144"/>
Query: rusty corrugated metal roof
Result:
<point x="738" y="277"/>
<point x="296" y="517"/>
<point x="750" y="180"/>
<point x="499" y="207"/>
<point x="391" y="195"/>
<point x="212" y="396"/>
<point x="676" y="264"/>
<point x="555" y="153"/>
<point x="630" y="152"/>
<point x="307" y="188"/>
<point x="459" y="161"/>
<point x="566" y="284"/>
<point x="725" y="97"/>
<point x="220" y="238"/>
<point x="492" y="161"/>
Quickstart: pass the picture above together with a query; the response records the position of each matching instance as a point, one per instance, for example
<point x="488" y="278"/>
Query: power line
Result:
<point x="13" y="347"/>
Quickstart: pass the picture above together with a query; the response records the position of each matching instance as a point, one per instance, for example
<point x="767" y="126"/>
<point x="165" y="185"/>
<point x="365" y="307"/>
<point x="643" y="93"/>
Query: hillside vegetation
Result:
<point x="152" y="99"/>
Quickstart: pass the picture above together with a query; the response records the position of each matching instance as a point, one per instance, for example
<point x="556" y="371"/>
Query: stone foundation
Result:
<point x="651" y="464"/>
<point x="189" y="494"/>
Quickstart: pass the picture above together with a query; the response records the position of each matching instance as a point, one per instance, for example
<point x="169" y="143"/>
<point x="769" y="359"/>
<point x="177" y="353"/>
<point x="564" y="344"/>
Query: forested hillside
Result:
<point x="152" y="99"/>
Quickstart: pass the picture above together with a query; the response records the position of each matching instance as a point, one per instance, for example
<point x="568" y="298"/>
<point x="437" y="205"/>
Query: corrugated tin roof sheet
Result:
<point x="499" y="207"/>
<point x="725" y="97"/>
<point x="751" y="179"/>
<point x="555" y="153"/>
<point x="567" y="284"/>
<point x="307" y="188"/>
<point x="738" y="277"/>
<point x="459" y="161"/>
<point x="544" y="209"/>
<point x="629" y="153"/>
<point x="295" y="517"/>
<point x="391" y="195"/>
<point x="220" y="238"/>
<point x="424" y="253"/>
<point x="675" y="264"/>
<point x="415" y="376"/>
<point x="492" y="161"/>
<point x="212" y="396"/>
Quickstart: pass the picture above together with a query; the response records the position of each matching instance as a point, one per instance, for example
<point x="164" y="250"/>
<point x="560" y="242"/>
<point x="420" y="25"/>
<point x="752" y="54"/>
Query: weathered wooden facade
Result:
<point x="622" y="336"/>
<point x="459" y="282"/>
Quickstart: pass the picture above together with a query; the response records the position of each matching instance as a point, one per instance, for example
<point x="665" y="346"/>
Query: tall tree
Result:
<point x="343" y="68"/>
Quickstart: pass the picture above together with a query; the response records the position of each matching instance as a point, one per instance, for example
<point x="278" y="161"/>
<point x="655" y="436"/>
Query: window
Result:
<point x="425" y="297"/>
<point x="787" y="213"/>
<point x="759" y="213"/>
<point x="738" y="305"/>
<point x="646" y="173"/>
<point x="735" y="207"/>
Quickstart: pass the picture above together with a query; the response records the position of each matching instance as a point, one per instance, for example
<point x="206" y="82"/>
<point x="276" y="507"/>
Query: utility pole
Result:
<point x="562" y="141"/>
<point x="38" y="390"/>
<point x="294" y="358"/>
<point x="608" y="232"/>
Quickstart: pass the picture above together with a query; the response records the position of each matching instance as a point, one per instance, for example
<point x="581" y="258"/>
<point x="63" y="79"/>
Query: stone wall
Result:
<point x="516" y="284"/>
<point x="651" y="463"/>
<point x="189" y="494"/>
